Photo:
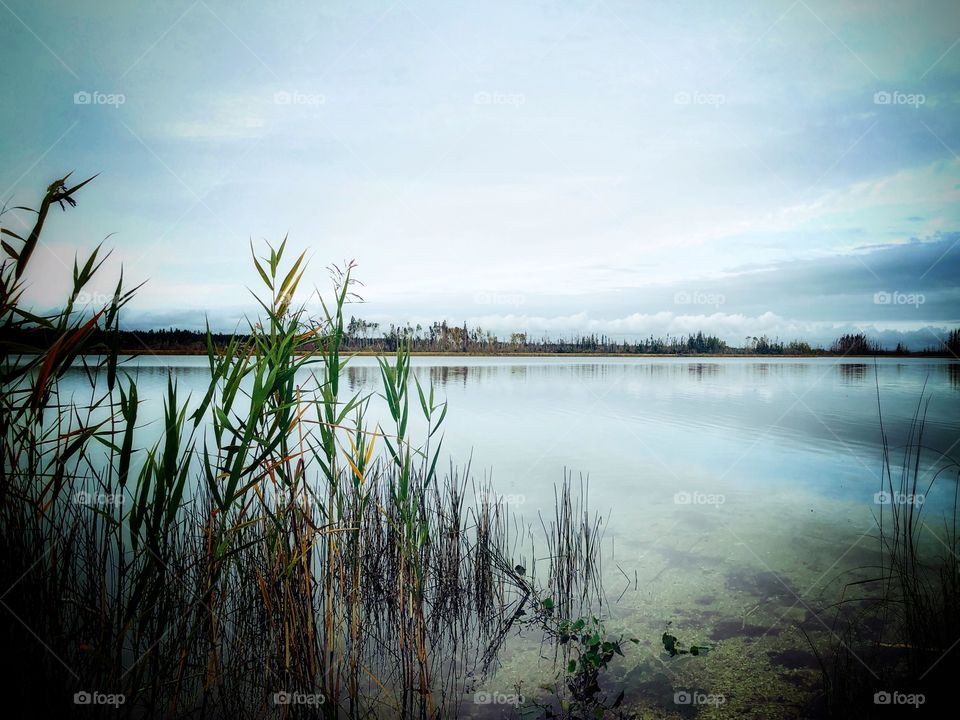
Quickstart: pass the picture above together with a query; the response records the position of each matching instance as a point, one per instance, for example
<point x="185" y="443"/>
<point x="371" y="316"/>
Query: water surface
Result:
<point x="738" y="494"/>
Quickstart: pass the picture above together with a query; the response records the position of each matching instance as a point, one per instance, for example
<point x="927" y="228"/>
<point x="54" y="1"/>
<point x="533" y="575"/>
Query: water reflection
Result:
<point x="852" y="373"/>
<point x="760" y="370"/>
<point x="952" y="371"/>
<point x="806" y="421"/>
<point x="449" y="375"/>
<point x="699" y="370"/>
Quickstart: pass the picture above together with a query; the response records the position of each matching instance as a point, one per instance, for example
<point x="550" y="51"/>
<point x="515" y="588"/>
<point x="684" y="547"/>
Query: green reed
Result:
<point x="273" y="540"/>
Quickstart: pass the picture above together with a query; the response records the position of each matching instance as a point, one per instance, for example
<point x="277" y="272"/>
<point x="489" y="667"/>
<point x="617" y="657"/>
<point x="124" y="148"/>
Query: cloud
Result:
<point x="598" y="199"/>
<point x="219" y="119"/>
<point x="900" y="292"/>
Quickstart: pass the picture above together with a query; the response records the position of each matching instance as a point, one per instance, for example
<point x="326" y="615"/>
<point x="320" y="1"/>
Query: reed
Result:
<point x="895" y="631"/>
<point x="275" y="544"/>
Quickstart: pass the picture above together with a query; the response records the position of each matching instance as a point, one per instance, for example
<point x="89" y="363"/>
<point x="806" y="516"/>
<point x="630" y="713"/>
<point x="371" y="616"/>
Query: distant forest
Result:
<point x="441" y="337"/>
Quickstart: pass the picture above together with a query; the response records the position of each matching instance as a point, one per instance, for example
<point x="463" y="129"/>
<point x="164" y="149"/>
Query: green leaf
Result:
<point x="669" y="644"/>
<point x="263" y="274"/>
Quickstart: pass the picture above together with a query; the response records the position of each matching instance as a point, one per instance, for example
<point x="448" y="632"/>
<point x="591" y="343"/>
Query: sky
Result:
<point x="787" y="168"/>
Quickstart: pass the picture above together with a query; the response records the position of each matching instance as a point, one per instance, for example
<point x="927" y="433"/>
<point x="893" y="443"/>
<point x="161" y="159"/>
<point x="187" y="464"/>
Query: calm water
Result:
<point x="646" y="429"/>
<point x="738" y="493"/>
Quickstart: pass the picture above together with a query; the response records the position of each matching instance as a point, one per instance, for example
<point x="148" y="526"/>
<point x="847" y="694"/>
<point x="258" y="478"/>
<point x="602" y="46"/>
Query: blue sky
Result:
<point x="788" y="168"/>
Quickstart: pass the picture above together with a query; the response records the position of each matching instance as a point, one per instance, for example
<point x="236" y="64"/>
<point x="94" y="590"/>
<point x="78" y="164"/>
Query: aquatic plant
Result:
<point x="673" y="647"/>
<point x="265" y="548"/>
<point x="900" y="635"/>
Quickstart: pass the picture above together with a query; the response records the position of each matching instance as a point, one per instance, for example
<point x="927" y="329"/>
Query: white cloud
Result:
<point x="219" y="118"/>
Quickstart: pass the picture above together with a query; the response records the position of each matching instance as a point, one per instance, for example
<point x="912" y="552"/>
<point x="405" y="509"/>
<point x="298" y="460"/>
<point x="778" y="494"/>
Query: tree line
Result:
<point x="442" y="337"/>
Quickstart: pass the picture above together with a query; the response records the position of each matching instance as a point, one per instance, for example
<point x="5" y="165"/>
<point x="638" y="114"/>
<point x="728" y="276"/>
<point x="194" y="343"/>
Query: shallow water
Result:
<point x="738" y="496"/>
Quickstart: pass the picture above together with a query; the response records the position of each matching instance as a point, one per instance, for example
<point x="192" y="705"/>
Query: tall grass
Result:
<point x="897" y="630"/>
<point x="274" y="540"/>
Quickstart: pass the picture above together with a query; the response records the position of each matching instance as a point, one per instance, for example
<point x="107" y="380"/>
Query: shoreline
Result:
<point x="420" y="353"/>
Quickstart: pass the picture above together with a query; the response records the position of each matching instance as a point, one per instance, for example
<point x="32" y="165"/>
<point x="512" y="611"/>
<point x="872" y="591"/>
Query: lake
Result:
<point x="738" y="495"/>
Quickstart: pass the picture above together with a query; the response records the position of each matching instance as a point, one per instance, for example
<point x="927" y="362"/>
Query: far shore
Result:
<point x="520" y="354"/>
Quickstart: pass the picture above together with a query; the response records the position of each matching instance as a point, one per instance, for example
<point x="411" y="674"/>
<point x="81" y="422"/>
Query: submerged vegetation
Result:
<point x="268" y="549"/>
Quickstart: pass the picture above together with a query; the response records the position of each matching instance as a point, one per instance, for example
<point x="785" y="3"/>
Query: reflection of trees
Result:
<point x="443" y="375"/>
<point x="852" y="372"/>
<point x="699" y="370"/>
<point x="953" y="374"/>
